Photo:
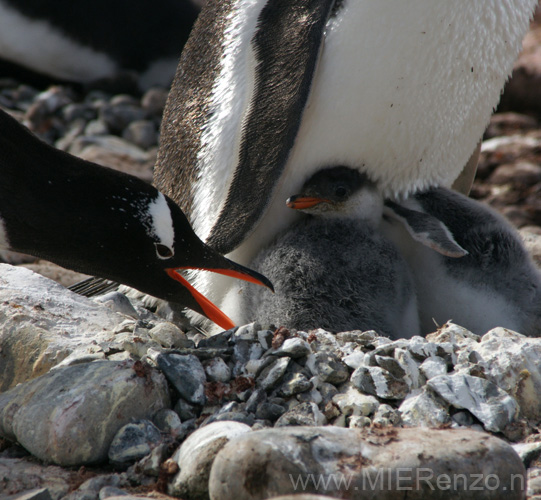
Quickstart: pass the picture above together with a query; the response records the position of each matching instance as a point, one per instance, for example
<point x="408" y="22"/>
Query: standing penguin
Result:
<point x="267" y="92"/>
<point x="87" y="40"/>
<point x="494" y="284"/>
<point x="334" y="269"/>
<point x="99" y="221"/>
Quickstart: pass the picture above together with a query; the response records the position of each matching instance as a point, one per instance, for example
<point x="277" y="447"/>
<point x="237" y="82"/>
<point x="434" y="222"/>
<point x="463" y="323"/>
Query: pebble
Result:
<point x="187" y="375"/>
<point x="492" y="406"/>
<point x="328" y="367"/>
<point x="379" y="382"/>
<point x="272" y="374"/>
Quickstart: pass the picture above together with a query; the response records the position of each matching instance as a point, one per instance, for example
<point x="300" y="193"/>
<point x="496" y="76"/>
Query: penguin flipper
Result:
<point x="286" y="51"/>
<point x="426" y="229"/>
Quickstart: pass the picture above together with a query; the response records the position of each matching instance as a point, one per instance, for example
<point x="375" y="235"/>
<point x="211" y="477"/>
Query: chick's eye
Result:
<point x="163" y="251"/>
<point x="341" y="192"/>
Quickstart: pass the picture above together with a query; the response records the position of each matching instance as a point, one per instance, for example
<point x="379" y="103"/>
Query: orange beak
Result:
<point x="300" y="202"/>
<point x="210" y="310"/>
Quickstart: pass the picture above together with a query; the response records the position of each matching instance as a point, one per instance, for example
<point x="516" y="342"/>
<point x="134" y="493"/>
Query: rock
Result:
<point x="512" y="362"/>
<point x="433" y="366"/>
<point x="528" y="452"/>
<point x="153" y="101"/>
<point x="187" y="374"/>
<point x="69" y="416"/>
<point x="328" y="367"/>
<point x="118" y="303"/>
<point x="492" y="406"/>
<point x="134" y="441"/>
<point x="196" y="455"/>
<point x="379" y="382"/>
<point x="167" y="421"/>
<point x="41" y="323"/>
<point x="294" y="383"/>
<point x="424" y="410"/>
<point x="39" y="494"/>
<point x="302" y="414"/>
<point x="272" y="374"/>
<point x="217" y="370"/>
<point x="355" y="403"/>
<point x="294" y="348"/>
<point x="170" y="336"/>
<point x="371" y="463"/>
<point x="91" y="488"/>
<point x="21" y="475"/>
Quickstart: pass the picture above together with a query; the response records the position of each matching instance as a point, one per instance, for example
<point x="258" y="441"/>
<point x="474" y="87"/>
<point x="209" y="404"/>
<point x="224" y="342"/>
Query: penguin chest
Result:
<point x="404" y="90"/>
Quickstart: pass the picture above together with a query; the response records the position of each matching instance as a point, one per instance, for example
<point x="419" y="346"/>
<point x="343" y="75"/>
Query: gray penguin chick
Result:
<point x="494" y="282"/>
<point x="334" y="269"/>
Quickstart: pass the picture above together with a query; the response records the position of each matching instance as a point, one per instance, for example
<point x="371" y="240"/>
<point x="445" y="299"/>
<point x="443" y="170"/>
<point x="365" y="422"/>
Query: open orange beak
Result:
<point x="300" y="202"/>
<point x="209" y="309"/>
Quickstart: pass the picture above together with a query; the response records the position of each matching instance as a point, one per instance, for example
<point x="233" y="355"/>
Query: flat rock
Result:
<point x="367" y="463"/>
<point x="512" y="363"/>
<point x="69" y="416"/>
<point x="187" y="374"/>
<point x="41" y="323"/>
<point x="492" y="406"/>
<point x="196" y="455"/>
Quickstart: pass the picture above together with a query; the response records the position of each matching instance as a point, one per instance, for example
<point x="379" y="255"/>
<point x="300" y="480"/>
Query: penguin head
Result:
<point x="158" y="244"/>
<point x="339" y="192"/>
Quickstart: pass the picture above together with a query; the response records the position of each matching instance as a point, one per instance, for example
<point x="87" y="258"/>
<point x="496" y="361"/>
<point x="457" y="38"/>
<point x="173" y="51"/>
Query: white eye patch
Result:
<point x="161" y="224"/>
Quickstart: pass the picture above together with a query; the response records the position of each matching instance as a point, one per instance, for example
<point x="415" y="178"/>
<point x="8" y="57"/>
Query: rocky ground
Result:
<point x="161" y="411"/>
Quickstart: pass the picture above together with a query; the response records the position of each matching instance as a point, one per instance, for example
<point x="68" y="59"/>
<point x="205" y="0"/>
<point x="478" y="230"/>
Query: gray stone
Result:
<point x="246" y="332"/>
<point x="168" y="422"/>
<point x="433" y="367"/>
<point x="38" y="494"/>
<point x="294" y="383"/>
<point x="150" y="464"/>
<point x="294" y="348"/>
<point x="187" y="374"/>
<point x="379" y="382"/>
<point x="353" y="402"/>
<point x="493" y="407"/>
<point x="111" y="492"/>
<point x="328" y="367"/>
<point x="512" y="362"/>
<point x="41" y="323"/>
<point x="217" y="370"/>
<point x="269" y="411"/>
<point x="272" y="374"/>
<point x="196" y="455"/>
<point x="153" y="101"/>
<point x="185" y="410"/>
<point x="118" y="303"/>
<point x="69" y="416"/>
<point x="367" y="463"/>
<point x="528" y="452"/>
<point x="302" y="414"/>
<point x="386" y="415"/>
<point x="22" y="474"/>
<point x="170" y="336"/>
<point x="424" y="410"/>
<point x="134" y="441"/>
<point x="118" y="116"/>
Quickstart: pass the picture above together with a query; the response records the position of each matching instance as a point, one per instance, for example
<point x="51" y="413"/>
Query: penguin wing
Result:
<point x="286" y="44"/>
<point x="426" y="229"/>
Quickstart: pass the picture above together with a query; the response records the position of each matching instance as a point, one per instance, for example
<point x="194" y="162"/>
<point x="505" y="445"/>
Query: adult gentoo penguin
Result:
<point x="334" y="269"/>
<point x="494" y="284"/>
<point x="267" y="92"/>
<point x="89" y="40"/>
<point x="99" y="221"/>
